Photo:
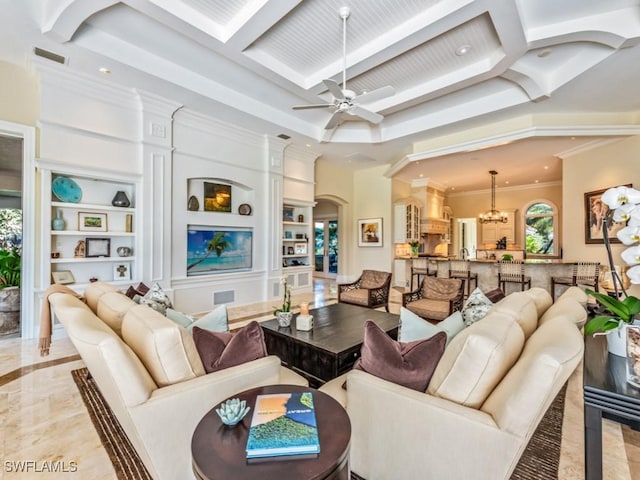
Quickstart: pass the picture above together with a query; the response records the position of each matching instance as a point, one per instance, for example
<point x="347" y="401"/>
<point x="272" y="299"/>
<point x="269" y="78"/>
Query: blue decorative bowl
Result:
<point x="66" y="190"/>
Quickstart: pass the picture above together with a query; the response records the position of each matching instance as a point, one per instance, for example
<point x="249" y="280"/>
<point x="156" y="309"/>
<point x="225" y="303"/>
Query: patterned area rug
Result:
<point x="539" y="461"/>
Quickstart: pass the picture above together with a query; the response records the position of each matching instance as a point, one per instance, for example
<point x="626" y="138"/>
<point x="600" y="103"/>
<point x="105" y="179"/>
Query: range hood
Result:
<point x="431" y="219"/>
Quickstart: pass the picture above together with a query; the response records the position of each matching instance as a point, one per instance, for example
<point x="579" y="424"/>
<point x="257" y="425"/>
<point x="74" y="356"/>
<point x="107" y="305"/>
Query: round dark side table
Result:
<point x="218" y="451"/>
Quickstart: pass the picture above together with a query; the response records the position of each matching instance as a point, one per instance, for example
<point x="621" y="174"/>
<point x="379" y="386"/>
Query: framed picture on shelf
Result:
<point x="97" y="247"/>
<point x="370" y="232"/>
<point x="287" y="214"/>
<point x="63" y="277"/>
<point x="122" y="271"/>
<point x="300" y="248"/>
<point x="595" y="210"/>
<point x="217" y="197"/>
<point x="92" y="222"/>
<point x="288" y="234"/>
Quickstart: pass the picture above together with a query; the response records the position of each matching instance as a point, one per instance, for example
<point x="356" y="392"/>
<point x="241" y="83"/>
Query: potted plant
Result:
<point x="415" y="246"/>
<point x="621" y="309"/>
<point x="10" y="264"/>
<point x="284" y="313"/>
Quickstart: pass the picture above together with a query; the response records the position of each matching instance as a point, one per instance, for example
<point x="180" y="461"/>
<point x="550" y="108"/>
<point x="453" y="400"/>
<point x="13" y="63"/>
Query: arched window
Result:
<point x="540" y="230"/>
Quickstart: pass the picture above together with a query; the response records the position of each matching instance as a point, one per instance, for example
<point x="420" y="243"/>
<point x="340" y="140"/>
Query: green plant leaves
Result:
<point x="621" y="310"/>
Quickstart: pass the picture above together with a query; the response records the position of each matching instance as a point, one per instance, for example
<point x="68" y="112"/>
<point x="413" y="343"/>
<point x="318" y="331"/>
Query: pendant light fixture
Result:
<point x="493" y="215"/>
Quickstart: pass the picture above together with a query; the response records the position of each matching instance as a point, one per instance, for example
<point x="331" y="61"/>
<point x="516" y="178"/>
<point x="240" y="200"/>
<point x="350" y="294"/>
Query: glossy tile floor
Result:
<point x="45" y="427"/>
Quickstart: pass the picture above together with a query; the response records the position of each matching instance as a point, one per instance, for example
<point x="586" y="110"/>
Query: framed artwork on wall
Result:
<point x="370" y="232"/>
<point x="595" y="210"/>
<point x="217" y="197"/>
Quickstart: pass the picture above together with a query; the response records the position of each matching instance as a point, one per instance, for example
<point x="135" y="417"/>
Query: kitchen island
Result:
<point x="540" y="271"/>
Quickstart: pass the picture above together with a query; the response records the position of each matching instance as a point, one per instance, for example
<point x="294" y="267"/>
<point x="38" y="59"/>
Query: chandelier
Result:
<point x="493" y="215"/>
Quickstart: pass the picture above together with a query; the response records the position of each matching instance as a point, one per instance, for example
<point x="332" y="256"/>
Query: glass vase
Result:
<point x="284" y="318"/>
<point x="633" y="355"/>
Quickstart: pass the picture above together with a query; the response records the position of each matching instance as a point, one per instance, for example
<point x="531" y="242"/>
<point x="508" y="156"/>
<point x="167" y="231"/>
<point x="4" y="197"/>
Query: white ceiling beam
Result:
<point x="252" y="25"/>
<point x="63" y="23"/>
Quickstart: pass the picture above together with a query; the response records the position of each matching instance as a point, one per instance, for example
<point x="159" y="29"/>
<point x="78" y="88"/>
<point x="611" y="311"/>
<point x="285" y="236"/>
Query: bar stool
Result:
<point x="460" y="269"/>
<point x="512" y="272"/>
<point x="582" y="273"/>
<point x="420" y="269"/>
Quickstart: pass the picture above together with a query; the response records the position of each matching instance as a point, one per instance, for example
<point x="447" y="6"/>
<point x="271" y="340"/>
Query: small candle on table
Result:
<point x="304" y="308"/>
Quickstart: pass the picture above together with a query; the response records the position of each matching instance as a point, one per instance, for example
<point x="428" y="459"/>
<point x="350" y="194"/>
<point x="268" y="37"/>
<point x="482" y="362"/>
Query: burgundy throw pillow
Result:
<point x="410" y="364"/>
<point x="141" y="289"/>
<point x="220" y="350"/>
<point x="495" y="295"/>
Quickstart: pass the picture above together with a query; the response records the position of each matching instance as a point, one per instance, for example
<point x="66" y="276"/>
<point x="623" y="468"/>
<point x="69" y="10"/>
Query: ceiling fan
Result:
<point x="344" y="100"/>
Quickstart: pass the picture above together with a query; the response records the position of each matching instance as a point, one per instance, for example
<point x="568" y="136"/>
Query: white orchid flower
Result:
<point x="634" y="274"/>
<point x="616" y="196"/>
<point x="631" y="255"/>
<point x="629" y="235"/>
<point x="626" y="212"/>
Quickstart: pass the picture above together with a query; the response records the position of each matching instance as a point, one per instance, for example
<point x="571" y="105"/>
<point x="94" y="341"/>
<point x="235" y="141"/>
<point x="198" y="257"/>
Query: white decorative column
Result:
<point x="155" y="226"/>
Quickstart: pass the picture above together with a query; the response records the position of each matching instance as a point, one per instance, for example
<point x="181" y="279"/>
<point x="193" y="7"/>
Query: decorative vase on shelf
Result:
<point x="284" y="318"/>
<point x="58" y="222"/>
<point x="120" y="200"/>
<point x="633" y="355"/>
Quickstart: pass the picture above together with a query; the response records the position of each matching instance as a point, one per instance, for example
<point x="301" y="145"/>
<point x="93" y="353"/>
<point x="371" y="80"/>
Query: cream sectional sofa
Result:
<point x="149" y="371"/>
<point x="488" y="393"/>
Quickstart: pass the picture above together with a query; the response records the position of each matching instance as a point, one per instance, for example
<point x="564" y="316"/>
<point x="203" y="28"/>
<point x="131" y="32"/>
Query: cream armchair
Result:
<point x="370" y="290"/>
<point x="488" y="393"/>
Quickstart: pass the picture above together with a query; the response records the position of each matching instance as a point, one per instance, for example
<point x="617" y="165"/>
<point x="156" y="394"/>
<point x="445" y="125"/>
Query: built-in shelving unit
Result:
<point x="297" y="249"/>
<point x="89" y="243"/>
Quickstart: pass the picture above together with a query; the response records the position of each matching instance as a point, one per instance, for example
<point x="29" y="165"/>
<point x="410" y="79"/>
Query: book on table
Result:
<point x="283" y="424"/>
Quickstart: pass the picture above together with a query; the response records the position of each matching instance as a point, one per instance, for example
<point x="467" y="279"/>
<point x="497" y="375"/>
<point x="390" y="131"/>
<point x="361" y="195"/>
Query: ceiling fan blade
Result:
<point x="368" y="115"/>
<point x="374" y="95"/>
<point x="334" y="88"/>
<point x="333" y="121"/>
<point x="317" y="105"/>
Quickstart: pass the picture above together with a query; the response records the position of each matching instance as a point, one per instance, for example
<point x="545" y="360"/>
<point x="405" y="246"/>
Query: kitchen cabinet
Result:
<point x="492" y="232"/>
<point x="406" y="227"/>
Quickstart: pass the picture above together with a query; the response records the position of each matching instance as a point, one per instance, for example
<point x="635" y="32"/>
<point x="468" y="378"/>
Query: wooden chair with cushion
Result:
<point x="420" y="269"/>
<point x="460" y="269"/>
<point x="582" y="273"/>
<point x="512" y="272"/>
<point x="370" y="290"/>
<point x="436" y="298"/>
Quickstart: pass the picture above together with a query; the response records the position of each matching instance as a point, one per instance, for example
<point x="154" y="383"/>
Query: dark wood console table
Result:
<point x="606" y="394"/>
<point x="332" y="346"/>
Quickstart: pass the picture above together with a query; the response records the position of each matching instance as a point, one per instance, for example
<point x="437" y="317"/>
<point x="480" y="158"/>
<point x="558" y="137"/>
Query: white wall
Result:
<point x="608" y="166"/>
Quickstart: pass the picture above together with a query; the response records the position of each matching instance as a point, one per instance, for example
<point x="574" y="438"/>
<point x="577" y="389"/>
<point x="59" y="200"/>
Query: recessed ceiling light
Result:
<point x="536" y="181"/>
<point x="544" y="53"/>
<point x="506" y="182"/>
<point x="105" y="70"/>
<point x="463" y="50"/>
<point x="308" y="145"/>
<point x="546" y="167"/>
<point x="421" y="175"/>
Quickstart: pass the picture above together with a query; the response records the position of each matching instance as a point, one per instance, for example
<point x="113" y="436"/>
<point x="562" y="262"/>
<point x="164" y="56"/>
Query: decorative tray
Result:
<point x="66" y="190"/>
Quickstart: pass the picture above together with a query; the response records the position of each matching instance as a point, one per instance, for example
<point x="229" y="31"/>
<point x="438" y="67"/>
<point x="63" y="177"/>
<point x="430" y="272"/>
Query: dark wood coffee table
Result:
<point x="218" y="451"/>
<point x="332" y="346"/>
<point x="606" y="394"/>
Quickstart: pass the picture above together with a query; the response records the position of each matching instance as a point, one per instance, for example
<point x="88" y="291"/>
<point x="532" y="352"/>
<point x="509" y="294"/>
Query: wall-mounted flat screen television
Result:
<point x="218" y="249"/>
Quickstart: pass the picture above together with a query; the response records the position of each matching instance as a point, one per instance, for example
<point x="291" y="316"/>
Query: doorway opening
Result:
<point x="466" y="238"/>
<point x="325" y="239"/>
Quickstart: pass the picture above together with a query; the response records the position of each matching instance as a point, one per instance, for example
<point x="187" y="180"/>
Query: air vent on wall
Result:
<point x="227" y="296"/>
<point x="284" y="137"/>
<point x="54" y="57"/>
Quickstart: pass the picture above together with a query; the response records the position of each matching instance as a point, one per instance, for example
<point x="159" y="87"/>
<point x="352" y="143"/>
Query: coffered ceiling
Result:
<point x="565" y="67"/>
